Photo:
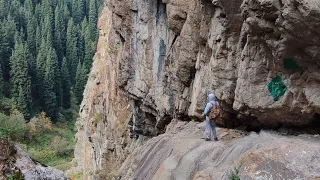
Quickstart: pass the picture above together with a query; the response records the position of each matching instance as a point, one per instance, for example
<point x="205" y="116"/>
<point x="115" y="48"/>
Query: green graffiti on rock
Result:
<point x="277" y="88"/>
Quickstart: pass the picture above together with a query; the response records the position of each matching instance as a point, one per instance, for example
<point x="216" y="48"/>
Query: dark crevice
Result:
<point x="315" y="123"/>
<point x="288" y="129"/>
<point x="232" y="121"/>
<point x="134" y="10"/>
<point x="223" y="15"/>
<point x="119" y="15"/>
<point x="243" y="41"/>
<point x="179" y="18"/>
<point x="252" y="124"/>
<point x="280" y="2"/>
<point x="144" y="121"/>
<point x="173" y="42"/>
<point x="162" y="123"/>
<point x="161" y="58"/>
<point x="172" y="103"/>
<point x="161" y="10"/>
<point x="120" y="36"/>
<point x="183" y="117"/>
<point x="193" y="72"/>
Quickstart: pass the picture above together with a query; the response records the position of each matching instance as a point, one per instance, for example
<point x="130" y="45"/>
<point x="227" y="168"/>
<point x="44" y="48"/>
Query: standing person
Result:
<point x="210" y="131"/>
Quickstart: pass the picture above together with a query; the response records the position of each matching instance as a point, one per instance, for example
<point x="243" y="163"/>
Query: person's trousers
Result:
<point x="210" y="129"/>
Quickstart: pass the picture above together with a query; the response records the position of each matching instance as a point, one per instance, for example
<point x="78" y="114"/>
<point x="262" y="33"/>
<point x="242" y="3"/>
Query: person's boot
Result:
<point x="207" y="139"/>
<point x="216" y="139"/>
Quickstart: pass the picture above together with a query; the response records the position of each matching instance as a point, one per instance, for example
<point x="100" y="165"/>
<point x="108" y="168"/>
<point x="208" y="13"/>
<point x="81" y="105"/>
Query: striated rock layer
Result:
<point x="181" y="154"/>
<point x="158" y="59"/>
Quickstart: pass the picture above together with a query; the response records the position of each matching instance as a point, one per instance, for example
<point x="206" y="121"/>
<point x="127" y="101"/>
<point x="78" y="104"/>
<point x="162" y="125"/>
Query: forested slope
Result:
<point x="46" y="51"/>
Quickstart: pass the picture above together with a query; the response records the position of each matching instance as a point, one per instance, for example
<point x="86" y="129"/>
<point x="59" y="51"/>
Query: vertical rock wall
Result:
<point x="158" y="59"/>
<point x="102" y="136"/>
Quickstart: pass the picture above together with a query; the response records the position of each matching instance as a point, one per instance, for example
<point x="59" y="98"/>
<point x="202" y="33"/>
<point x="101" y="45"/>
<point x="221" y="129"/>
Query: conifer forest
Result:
<point x="46" y="51"/>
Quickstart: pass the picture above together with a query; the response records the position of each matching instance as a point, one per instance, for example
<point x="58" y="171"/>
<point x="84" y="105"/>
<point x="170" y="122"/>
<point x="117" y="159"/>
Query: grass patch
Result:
<point x="53" y="148"/>
<point x="49" y="143"/>
<point x="15" y="176"/>
<point x="234" y="173"/>
<point x="76" y="176"/>
<point x="97" y="119"/>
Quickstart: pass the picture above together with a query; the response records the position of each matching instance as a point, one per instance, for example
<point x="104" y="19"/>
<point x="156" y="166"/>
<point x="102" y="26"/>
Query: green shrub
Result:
<point x="61" y="146"/>
<point x="16" y="176"/>
<point x="39" y="126"/>
<point x="64" y="166"/>
<point x="234" y="174"/>
<point x="13" y="126"/>
<point x="45" y="156"/>
<point x="6" y="105"/>
<point x="50" y="143"/>
<point x="97" y="119"/>
<point x="76" y="176"/>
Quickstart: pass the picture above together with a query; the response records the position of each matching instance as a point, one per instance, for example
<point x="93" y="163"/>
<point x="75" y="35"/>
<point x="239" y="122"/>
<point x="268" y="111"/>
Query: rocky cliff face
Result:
<point x="158" y="59"/>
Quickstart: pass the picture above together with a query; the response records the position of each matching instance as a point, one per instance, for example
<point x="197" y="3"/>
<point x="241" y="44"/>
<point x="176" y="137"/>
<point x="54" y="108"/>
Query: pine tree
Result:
<point x="58" y="31"/>
<point x="88" y="57"/>
<point x="48" y="32"/>
<point x="14" y="11"/>
<point x="78" y="10"/>
<point x="82" y="9"/>
<point x="38" y="39"/>
<point x="21" y="35"/>
<point x="58" y="87"/>
<point x="66" y="85"/>
<point x="3" y="9"/>
<point x="63" y="30"/>
<point x="50" y="98"/>
<point x="100" y="5"/>
<point x="66" y="13"/>
<point x="8" y="28"/>
<point x="1" y="84"/>
<point x="72" y="49"/>
<point x="31" y="35"/>
<point x="40" y="71"/>
<point x="88" y="47"/>
<point x="81" y="44"/>
<point x="75" y="11"/>
<point x="4" y="50"/>
<point x="84" y="27"/>
<point x="28" y="6"/>
<point x="93" y="20"/>
<point x="20" y="79"/>
<point x="32" y="65"/>
<point x="47" y="12"/>
<point x="38" y="12"/>
<point x="80" y="82"/>
<point x="28" y="10"/>
<point x="23" y="100"/>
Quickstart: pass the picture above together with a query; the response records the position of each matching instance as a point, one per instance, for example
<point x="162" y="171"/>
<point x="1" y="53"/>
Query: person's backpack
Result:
<point x="215" y="112"/>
